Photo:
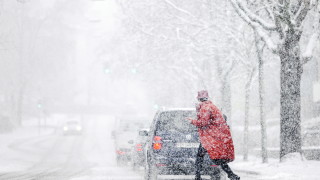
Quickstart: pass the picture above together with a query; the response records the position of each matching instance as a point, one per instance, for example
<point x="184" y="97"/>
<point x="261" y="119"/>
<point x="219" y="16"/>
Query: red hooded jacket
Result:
<point x="214" y="132"/>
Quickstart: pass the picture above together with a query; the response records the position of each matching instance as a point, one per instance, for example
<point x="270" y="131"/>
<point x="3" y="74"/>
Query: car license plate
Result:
<point x="187" y="145"/>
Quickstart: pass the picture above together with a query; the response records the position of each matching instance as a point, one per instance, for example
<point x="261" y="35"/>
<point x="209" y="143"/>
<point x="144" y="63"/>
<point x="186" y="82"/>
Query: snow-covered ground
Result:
<point x="28" y="153"/>
<point x="12" y="150"/>
<point x="292" y="169"/>
<point x="33" y="153"/>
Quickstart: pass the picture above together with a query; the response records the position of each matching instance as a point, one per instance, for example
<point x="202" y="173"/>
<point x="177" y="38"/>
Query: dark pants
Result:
<point x="221" y="162"/>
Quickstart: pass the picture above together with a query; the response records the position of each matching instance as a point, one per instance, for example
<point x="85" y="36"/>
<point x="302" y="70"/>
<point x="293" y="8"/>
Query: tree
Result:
<point x="280" y="26"/>
<point x="36" y="57"/>
<point x="180" y="35"/>
<point x="259" y="50"/>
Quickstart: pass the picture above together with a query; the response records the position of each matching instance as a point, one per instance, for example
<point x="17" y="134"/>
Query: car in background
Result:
<point x="123" y="143"/>
<point x="123" y="135"/>
<point x="138" y="149"/>
<point x="172" y="146"/>
<point x="72" y="128"/>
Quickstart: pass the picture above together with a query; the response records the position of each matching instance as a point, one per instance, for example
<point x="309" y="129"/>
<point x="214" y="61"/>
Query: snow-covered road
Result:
<point x="54" y="156"/>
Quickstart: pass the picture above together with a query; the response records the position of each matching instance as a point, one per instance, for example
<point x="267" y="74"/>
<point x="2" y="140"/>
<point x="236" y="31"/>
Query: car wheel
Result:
<point x="215" y="177"/>
<point x="134" y="166"/>
<point x="215" y="174"/>
<point x="120" y="161"/>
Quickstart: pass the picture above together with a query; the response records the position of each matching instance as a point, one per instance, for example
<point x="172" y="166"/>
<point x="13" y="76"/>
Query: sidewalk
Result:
<point x="292" y="169"/>
<point x="11" y="159"/>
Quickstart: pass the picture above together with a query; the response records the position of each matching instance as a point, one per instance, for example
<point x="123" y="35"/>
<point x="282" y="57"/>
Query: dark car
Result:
<point x="72" y="128"/>
<point x="172" y="146"/>
<point x="138" y="149"/>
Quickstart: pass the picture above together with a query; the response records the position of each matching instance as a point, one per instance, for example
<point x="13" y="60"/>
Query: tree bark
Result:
<point x="246" y="118"/>
<point x="290" y="100"/>
<point x="20" y="104"/>
<point x="264" y="151"/>
<point x="225" y="89"/>
<point x="226" y="98"/>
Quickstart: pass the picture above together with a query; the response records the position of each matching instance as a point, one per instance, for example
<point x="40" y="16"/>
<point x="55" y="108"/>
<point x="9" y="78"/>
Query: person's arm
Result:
<point x="203" y="118"/>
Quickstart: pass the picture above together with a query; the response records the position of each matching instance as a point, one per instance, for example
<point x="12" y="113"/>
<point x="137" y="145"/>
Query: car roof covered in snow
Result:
<point x="177" y="109"/>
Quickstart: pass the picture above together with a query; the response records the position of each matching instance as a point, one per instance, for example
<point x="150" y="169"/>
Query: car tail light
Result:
<point x="159" y="165"/>
<point x="120" y="152"/>
<point x="139" y="147"/>
<point x="157" y="143"/>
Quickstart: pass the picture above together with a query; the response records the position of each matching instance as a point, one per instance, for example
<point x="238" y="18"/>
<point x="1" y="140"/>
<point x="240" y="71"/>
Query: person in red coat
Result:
<point x="215" y="136"/>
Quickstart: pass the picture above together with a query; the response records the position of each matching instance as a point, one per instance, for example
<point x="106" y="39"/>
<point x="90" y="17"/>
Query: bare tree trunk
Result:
<point x="264" y="151"/>
<point x="290" y="100"/>
<point x="223" y="69"/>
<point x="226" y="97"/>
<point x="20" y="104"/>
<point x="225" y="90"/>
<point x="246" y="117"/>
<point x="289" y="33"/>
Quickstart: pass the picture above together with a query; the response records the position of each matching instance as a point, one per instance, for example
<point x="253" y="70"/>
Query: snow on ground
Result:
<point x="11" y="157"/>
<point x="292" y="169"/>
<point x="27" y="145"/>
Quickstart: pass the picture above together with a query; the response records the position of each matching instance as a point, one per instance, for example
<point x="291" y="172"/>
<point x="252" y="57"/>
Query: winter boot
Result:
<point x="234" y="177"/>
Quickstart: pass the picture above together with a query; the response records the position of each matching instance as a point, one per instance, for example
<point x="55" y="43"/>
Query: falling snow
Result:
<point x="107" y="89"/>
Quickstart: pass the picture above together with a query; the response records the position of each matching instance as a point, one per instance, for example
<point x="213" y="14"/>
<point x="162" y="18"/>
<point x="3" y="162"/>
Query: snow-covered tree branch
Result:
<point x="289" y="17"/>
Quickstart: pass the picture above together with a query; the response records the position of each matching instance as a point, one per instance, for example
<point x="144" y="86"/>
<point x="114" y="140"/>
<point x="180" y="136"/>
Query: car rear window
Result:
<point x="176" y="120"/>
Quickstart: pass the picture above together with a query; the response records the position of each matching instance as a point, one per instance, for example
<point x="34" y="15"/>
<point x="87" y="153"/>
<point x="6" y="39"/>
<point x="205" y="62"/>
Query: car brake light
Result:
<point x="157" y="146"/>
<point x="157" y="143"/>
<point x="139" y="147"/>
<point x="120" y="152"/>
<point x="157" y="138"/>
<point x="159" y="165"/>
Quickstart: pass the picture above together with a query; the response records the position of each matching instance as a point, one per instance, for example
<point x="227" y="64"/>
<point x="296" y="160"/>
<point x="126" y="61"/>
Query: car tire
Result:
<point x="215" y="174"/>
<point x="120" y="161"/>
<point x="214" y="177"/>
<point x="134" y="166"/>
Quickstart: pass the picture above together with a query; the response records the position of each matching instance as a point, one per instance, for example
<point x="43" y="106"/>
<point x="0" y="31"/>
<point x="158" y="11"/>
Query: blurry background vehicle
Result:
<point x="138" y="149"/>
<point x="123" y="141"/>
<point x="72" y="128"/>
<point x="124" y="134"/>
<point x="172" y="146"/>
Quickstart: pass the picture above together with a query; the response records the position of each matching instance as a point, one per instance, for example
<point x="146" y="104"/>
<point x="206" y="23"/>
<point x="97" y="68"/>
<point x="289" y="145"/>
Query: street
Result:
<point x="76" y="157"/>
<point x="65" y="157"/>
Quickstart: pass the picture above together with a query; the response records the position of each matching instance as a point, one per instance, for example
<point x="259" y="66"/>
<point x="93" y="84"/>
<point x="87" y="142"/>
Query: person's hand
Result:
<point x="189" y="119"/>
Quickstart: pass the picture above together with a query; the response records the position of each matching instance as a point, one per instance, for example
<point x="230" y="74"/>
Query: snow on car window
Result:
<point x="176" y="120"/>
